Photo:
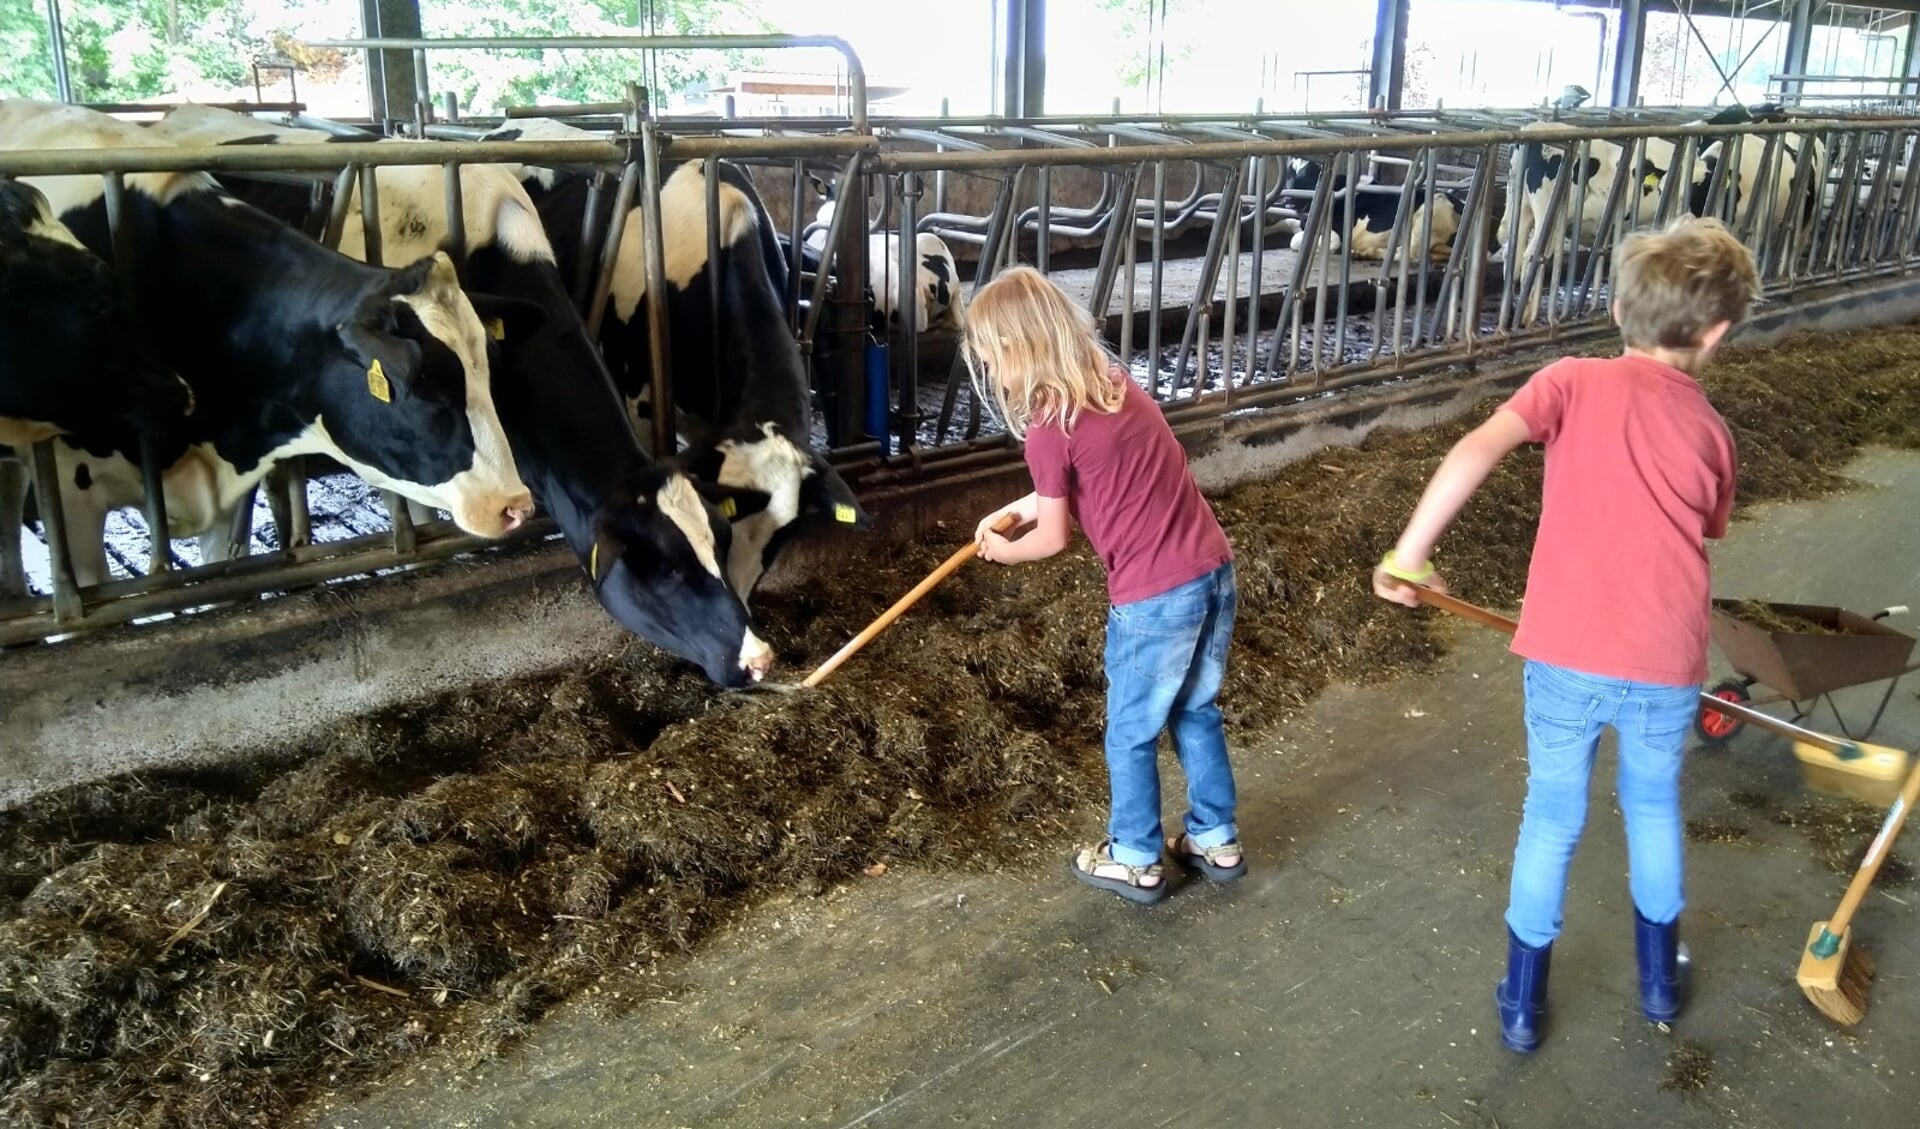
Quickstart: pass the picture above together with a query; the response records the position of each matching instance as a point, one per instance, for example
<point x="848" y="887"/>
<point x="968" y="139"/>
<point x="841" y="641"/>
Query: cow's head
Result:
<point x="407" y="398"/>
<point x="67" y="317"/>
<point x="797" y="483"/>
<point x="655" y="563"/>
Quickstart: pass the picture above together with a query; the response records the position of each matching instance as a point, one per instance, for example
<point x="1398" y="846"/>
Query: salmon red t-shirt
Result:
<point x="1126" y="481"/>
<point x="1640" y="471"/>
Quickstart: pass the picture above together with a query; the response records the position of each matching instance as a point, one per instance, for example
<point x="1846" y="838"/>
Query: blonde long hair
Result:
<point x="1035" y="353"/>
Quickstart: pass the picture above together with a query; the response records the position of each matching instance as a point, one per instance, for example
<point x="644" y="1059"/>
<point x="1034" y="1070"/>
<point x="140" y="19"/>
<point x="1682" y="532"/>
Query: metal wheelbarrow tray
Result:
<point x="1804" y="667"/>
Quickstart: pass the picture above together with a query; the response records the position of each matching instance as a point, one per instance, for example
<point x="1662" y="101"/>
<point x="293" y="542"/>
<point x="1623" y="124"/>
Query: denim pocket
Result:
<point x="1160" y="635"/>
<point x="1558" y="716"/>
<point x="1168" y="620"/>
<point x="1666" y="718"/>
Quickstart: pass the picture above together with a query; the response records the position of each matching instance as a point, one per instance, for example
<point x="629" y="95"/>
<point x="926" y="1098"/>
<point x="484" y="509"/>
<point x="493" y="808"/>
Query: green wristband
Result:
<point x="1393" y="568"/>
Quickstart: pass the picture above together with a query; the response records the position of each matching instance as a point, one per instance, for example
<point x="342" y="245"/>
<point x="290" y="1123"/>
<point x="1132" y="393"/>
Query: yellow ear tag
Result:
<point x="843" y="513"/>
<point x="377" y="383"/>
<point x="1651" y="180"/>
<point x="497" y="329"/>
<point x="728" y="508"/>
<point x="593" y="562"/>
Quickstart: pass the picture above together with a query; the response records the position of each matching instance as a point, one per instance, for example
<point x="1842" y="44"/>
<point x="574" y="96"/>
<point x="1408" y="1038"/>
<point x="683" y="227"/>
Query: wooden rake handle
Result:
<point x="946" y="569"/>
<point x="1747" y="714"/>
<point x="1464" y="610"/>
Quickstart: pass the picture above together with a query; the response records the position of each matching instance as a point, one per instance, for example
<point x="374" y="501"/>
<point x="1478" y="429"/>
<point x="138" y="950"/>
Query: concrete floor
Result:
<point x="1345" y="982"/>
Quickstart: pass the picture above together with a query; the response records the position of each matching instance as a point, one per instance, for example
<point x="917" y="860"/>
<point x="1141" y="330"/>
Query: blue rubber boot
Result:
<point x="1664" y="968"/>
<point x="1522" y="996"/>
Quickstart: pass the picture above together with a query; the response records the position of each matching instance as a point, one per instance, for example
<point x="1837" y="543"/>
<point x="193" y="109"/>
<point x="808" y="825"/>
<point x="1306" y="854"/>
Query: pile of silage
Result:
<point x="209" y="950"/>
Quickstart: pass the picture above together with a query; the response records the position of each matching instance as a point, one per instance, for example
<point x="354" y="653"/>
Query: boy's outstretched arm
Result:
<point x="1460" y="474"/>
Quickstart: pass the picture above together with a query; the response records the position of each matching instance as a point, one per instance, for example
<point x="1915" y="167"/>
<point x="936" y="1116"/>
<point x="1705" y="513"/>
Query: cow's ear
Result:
<point x="508" y="319"/>
<point x="20" y="207"/>
<point x="410" y="279"/>
<point x="607" y="548"/>
<point x="825" y="492"/>
<point x="701" y="462"/>
<point x="388" y="359"/>
<point x="734" y="502"/>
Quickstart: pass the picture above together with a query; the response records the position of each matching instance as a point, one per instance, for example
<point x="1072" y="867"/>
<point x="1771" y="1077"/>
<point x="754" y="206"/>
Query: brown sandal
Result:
<point x="1132" y="887"/>
<point x="1205" y="859"/>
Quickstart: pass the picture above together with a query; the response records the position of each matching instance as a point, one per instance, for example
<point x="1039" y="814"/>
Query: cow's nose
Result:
<point x="516" y="512"/>
<point x="756" y="658"/>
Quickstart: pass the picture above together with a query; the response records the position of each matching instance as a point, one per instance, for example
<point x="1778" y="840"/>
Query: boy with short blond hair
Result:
<point x="1639" y="472"/>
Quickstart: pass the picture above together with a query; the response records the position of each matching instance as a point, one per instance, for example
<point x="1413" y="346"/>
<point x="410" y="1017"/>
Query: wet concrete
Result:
<point x="1346" y="981"/>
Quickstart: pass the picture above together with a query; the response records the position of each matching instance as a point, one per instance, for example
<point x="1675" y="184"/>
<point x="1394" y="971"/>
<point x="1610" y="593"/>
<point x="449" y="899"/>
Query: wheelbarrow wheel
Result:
<point x="1718" y="728"/>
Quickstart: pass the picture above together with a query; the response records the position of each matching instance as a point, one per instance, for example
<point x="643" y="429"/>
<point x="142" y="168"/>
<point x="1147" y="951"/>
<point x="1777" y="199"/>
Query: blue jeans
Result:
<point x="1166" y="656"/>
<point x="1565" y="713"/>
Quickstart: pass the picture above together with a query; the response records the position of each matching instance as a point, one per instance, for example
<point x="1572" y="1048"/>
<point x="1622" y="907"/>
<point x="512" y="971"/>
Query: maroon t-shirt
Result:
<point x="1126" y="481"/>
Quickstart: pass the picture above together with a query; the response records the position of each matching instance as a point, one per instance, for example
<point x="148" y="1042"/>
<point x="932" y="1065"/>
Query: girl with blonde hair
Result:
<point x="1101" y="454"/>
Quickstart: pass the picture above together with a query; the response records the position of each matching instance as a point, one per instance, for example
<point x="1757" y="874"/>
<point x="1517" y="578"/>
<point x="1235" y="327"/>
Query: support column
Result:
<point x="1013" y="58"/>
<point x="1387" y="76"/>
<point x="1799" y="42"/>
<point x="390" y="77"/>
<point x="1629" y="50"/>
<point x="1910" y="65"/>
<point x="1033" y="61"/>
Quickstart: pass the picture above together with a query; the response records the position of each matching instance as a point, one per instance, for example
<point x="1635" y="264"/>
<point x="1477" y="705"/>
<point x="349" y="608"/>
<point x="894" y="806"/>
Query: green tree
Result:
<point x="488" y="81"/>
<point x="129" y="50"/>
<point x="1154" y="29"/>
<point x="25" y="67"/>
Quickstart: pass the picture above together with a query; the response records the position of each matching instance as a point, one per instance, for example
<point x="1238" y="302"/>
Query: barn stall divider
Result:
<point x="1250" y="325"/>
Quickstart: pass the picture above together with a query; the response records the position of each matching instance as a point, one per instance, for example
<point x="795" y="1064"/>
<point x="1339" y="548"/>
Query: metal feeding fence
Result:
<point x="1179" y="233"/>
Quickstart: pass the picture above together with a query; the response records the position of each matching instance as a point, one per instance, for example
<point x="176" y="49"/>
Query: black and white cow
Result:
<point x="1539" y="166"/>
<point x="756" y="404"/>
<point x="290" y="349"/>
<point x="70" y="349"/>
<point x="1373" y="209"/>
<point x="69" y="345"/>
<point x="1742" y="182"/>
<point x="651" y="538"/>
<point x="938" y="300"/>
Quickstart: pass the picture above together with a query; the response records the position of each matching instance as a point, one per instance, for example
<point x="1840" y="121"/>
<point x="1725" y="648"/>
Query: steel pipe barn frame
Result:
<point x="1851" y="216"/>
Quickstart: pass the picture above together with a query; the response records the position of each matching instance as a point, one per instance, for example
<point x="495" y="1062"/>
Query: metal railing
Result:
<point x="1235" y="321"/>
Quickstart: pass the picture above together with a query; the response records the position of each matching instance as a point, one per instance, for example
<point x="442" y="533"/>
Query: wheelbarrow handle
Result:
<point x="1747" y="714"/>
<point x="1773" y="724"/>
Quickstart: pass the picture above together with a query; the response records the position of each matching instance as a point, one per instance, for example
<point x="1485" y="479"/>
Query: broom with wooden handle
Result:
<point x="946" y="569"/>
<point x="1834" y="974"/>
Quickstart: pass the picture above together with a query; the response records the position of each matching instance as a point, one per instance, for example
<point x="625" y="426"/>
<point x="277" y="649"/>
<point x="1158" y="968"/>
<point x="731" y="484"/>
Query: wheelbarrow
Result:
<point x="1803" y="666"/>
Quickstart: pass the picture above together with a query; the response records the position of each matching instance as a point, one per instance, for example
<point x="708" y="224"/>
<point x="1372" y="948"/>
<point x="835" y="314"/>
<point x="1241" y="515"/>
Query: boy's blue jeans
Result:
<point x="1565" y="712"/>
<point x="1166" y="656"/>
